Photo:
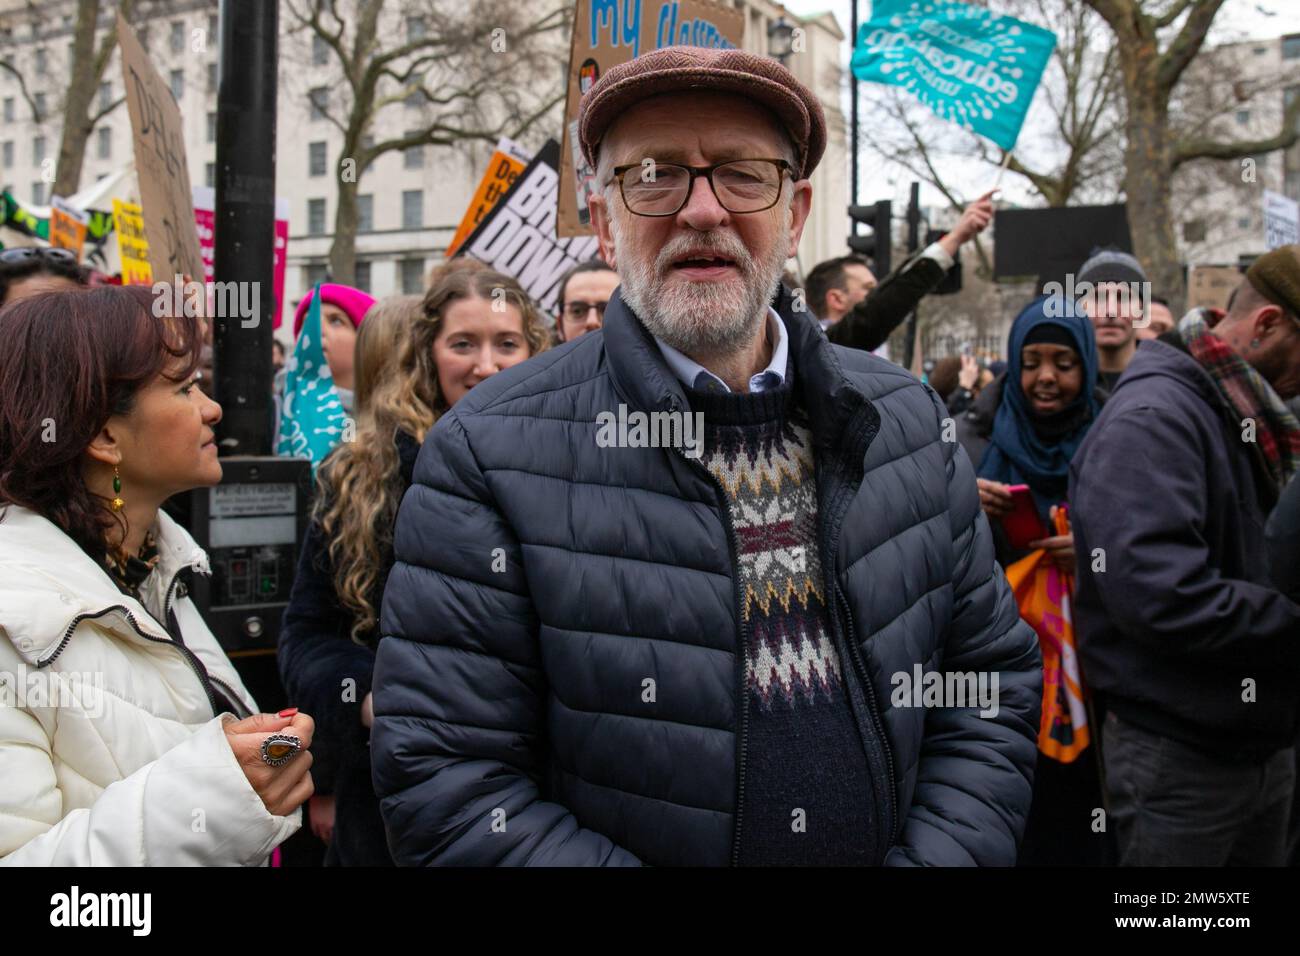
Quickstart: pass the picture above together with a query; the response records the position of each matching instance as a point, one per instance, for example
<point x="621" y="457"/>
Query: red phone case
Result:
<point x="1023" y="524"/>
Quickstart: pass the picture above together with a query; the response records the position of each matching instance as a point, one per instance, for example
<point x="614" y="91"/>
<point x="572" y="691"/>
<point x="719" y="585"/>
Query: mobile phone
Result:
<point x="1023" y="525"/>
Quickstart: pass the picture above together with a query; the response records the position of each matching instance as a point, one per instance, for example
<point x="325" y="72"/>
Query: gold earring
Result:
<point x="118" y="503"/>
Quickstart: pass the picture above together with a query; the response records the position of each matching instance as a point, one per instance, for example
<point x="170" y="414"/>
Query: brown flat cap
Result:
<point x="680" y="69"/>
<point x="1276" y="276"/>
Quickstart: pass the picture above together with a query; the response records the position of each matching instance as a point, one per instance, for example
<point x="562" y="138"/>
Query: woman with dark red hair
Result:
<point x="126" y="737"/>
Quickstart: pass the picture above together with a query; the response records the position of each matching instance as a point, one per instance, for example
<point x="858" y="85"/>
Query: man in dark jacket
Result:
<point x="668" y="594"/>
<point x="858" y="313"/>
<point x="1195" y="651"/>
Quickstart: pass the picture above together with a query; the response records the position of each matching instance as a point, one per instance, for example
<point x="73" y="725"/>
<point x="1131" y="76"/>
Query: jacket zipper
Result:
<point x="190" y="659"/>
<point x="742" y="658"/>
<point x="855" y="654"/>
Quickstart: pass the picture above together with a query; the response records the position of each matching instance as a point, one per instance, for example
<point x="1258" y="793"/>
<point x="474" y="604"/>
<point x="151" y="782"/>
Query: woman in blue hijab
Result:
<point x="1026" y="426"/>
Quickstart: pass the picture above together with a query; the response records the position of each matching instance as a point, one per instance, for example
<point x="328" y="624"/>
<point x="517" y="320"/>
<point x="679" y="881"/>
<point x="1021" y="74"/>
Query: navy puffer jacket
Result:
<point x="540" y="579"/>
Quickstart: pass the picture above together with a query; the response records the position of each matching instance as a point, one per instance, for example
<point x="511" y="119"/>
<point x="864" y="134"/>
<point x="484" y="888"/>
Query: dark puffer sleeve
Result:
<point x="459" y="692"/>
<point x="975" y="776"/>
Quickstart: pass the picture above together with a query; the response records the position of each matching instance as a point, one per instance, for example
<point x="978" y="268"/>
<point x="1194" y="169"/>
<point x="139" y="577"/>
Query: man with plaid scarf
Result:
<point x="1193" y="651"/>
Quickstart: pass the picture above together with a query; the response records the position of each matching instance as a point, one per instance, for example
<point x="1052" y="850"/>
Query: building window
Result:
<point x="8" y="154"/>
<point x="1243" y="117"/>
<point x="212" y="127"/>
<point x="315" y="217"/>
<point x="413" y="157"/>
<point x="362" y="278"/>
<point x="38" y="150"/>
<point x="368" y="141"/>
<point x="104" y="142"/>
<point x="1194" y="230"/>
<point x="42" y="61"/>
<point x="366" y="213"/>
<point x="414" y="100"/>
<point x="415" y="29"/>
<point x="9" y="109"/>
<point x="320" y="51"/>
<point x="212" y="77"/>
<point x="413" y="209"/>
<point x="316" y="159"/>
<point x="1291" y="47"/>
<point x="214" y="29"/>
<point x="314" y="274"/>
<point x="319" y="97"/>
<point x="177" y="38"/>
<point x="412" y="273"/>
<point x="38" y="101"/>
<point x="105" y="95"/>
<point x="1243" y="222"/>
<point x="177" y="83"/>
<point x="210" y="175"/>
<point x="38" y="193"/>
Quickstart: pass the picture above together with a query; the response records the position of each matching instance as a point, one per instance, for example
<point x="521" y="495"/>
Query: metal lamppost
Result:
<point x="780" y="39"/>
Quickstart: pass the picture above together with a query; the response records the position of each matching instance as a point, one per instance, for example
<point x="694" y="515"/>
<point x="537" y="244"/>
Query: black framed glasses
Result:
<point x="28" y="253"/>
<point x="740" y="185"/>
<point x="577" y="310"/>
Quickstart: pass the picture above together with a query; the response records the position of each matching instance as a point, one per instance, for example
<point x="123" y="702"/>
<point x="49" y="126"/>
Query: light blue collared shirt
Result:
<point x="696" y="376"/>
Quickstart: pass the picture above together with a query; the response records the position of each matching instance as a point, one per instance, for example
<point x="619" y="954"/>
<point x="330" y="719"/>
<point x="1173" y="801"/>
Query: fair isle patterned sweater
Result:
<point x="807" y="793"/>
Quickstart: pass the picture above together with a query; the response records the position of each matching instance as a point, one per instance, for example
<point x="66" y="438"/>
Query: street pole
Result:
<point x="853" y="115"/>
<point x="913" y="243"/>
<point x="245" y="224"/>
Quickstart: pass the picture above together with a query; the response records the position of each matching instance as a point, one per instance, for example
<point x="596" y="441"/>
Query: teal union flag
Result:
<point x="971" y="66"/>
<point x="312" y="417"/>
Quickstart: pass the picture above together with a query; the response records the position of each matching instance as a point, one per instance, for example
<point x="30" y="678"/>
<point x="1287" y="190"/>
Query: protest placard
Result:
<point x="205" y="223"/>
<point x="518" y="236"/>
<point x="132" y="247"/>
<point x="67" y="226"/>
<point x="607" y="33"/>
<point x="164" y="175"/>
<point x="503" y="169"/>
<point x="1281" y="220"/>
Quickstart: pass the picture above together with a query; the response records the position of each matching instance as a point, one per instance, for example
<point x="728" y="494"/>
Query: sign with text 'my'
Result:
<point x="160" y="164"/>
<point x="607" y="33"/>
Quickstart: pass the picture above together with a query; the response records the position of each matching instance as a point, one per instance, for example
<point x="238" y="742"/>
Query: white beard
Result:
<point x="700" y="318"/>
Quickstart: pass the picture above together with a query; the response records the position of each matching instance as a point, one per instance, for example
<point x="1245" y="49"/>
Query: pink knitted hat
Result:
<point x="353" y="302"/>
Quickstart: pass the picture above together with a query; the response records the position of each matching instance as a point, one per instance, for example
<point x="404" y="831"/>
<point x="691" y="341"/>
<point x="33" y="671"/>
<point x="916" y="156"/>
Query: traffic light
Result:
<point x="878" y="245"/>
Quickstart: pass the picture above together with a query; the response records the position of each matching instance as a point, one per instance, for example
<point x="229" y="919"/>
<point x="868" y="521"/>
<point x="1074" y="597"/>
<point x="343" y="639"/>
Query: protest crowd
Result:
<point x="674" y="570"/>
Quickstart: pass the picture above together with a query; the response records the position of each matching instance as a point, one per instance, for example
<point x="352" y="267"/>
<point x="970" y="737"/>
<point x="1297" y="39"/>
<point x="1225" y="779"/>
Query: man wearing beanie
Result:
<point x="1115" y="281"/>
<point x="1183" y="633"/>
<point x="681" y="640"/>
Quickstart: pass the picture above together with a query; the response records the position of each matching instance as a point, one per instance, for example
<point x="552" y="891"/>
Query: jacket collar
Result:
<point x="643" y="377"/>
<point x="47" y="581"/>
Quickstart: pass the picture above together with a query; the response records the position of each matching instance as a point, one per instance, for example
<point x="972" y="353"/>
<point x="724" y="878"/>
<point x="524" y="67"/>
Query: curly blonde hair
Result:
<point x="360" y="482"/>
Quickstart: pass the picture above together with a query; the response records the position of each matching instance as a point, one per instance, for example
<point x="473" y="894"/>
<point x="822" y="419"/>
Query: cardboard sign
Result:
<point x="1281" y="220"/>
<point x="67" y="226"/>
<point x="1208" y="287"/>
<point x="503" y="169"/>
<point x="607" y="33"/>
<point x="132" y="247"/>
<point x="518" y="236"/>
<point x="159" y="163"/>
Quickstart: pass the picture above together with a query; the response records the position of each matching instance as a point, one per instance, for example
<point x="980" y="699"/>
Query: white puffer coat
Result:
<point x="110" y="751"/>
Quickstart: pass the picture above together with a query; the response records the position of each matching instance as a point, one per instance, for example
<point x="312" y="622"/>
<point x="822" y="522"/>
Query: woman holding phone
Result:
<point x="1021" y="435"/>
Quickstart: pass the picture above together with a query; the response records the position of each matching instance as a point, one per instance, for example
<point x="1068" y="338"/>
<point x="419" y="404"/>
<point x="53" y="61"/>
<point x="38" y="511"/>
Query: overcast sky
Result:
<point x="1238" y="20"/>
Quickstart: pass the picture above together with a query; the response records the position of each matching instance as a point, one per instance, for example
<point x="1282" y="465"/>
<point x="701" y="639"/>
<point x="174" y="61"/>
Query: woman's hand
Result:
<point x="282" y="789"/>
<point x="995" y="497"/>
<point x="1060" y="548"/>
<point x="970" y="372"/>
<point x="321" y="811"/>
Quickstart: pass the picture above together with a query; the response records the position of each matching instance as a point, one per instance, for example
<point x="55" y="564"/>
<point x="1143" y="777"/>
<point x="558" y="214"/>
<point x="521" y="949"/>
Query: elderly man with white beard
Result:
<point x="627" y="652"/>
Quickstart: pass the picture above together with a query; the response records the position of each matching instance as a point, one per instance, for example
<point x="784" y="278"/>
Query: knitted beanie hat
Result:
<point x="353" y="302"/>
